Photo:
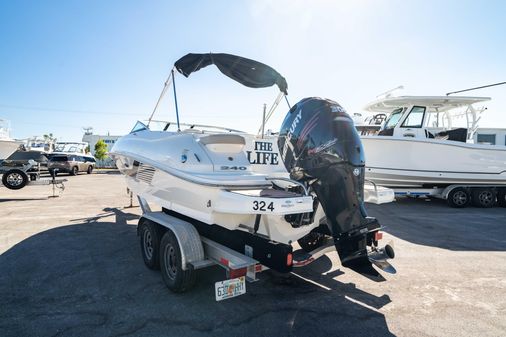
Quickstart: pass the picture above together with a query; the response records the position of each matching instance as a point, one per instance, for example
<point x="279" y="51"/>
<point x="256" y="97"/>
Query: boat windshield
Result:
<point x="393" y="119"/>
<point x="139" y="126"/>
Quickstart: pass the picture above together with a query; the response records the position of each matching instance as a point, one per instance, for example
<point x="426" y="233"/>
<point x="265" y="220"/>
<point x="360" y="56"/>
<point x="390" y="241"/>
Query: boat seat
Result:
<point x="223" y="139"/>
<point x="458" y="135"/>
<point x="223" y="143"/>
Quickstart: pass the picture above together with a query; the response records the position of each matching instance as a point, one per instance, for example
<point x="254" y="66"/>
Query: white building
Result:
<point x="92" y="139"/>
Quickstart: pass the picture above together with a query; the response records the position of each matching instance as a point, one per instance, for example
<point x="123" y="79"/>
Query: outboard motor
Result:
<point x="320" y="147"/>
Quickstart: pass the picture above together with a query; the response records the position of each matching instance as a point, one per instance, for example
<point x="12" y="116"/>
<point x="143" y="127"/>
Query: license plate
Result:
<point x="230" y="288"/>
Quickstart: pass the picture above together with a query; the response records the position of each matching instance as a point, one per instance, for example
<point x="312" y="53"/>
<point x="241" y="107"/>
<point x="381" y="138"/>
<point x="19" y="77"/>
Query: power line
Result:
<point x="20" y="107"/>
<point x="140" y="115"/>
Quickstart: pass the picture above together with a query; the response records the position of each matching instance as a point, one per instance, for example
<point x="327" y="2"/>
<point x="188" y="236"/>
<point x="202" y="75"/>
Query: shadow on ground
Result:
<point x="431" y="222"/>
<point x="88" y="279"/>
<point x="107" y="171"/>
<point x="21" y="199"/>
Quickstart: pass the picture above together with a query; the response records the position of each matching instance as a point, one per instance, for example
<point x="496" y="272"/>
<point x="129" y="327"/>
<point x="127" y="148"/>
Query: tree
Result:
<point x="50" y="141"/>
<point x="49" y="138"/>
<point x="100" y="150"/>
<point x="87" y="149"/>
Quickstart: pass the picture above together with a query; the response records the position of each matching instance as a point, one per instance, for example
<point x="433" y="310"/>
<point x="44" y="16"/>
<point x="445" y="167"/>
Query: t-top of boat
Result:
<point x="259" y="193"/>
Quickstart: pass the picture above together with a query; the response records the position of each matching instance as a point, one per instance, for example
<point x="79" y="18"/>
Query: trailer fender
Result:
<point x="187" y="236"/>
<point x="448" y="189"/>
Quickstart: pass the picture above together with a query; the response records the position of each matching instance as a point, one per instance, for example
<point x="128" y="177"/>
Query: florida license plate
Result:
<point x="230" y="288"/>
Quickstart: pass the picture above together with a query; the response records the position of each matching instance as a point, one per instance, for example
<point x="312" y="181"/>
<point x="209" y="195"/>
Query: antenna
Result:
<point x="389" y="92"/>
<point x="475" y="88"/>
<point x="88" y="130"/>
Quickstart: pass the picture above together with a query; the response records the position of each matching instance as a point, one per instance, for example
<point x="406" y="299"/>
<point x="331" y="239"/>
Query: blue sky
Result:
<point x="69" y="64"/>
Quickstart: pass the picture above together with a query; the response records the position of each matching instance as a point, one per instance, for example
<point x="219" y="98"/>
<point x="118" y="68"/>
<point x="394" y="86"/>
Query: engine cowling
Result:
<point x="320" y="146"/>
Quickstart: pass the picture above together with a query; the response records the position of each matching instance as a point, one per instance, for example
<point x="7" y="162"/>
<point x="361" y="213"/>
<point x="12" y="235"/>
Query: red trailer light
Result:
<point x="378" y="236"/>
<point x="289" y="259"/>
<point x="234" y="273"/>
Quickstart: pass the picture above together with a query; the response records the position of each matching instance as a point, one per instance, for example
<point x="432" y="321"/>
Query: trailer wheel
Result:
<point x="483" y="197"/>
<point x="175" y="278"/>
<point x="458" y="197"/>
<point x="15" y="179"/>
<point x="150" y="244"/>
<point x="501" y="197"/>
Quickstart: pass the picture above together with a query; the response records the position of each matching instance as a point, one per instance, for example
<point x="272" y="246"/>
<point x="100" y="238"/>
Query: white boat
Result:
<point x="236" y="188"/>
<point x="427" y="141"/>
<point x="7" y="144"/>
<point x="40" y="144"/>
<point x="71" y="147"/>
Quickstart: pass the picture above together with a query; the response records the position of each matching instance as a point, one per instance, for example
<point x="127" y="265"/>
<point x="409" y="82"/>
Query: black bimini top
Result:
<point x="248" y="72"/>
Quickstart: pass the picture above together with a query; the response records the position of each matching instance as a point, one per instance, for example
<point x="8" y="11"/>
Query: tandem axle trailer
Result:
<point x="174" y="246"/>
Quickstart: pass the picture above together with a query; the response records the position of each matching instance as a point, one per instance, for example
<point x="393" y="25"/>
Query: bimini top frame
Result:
<point x="248" y="72"/>
<point x="201" y="128"/>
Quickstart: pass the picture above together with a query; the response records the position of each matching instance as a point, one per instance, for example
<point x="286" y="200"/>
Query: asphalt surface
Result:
<point x="71" y="266"/>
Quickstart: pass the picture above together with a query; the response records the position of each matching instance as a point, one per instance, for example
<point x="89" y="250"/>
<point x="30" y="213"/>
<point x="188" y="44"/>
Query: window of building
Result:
<point x="486" y="139"/>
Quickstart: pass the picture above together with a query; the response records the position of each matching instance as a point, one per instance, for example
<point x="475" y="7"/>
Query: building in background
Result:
<point x="92" y="139"/>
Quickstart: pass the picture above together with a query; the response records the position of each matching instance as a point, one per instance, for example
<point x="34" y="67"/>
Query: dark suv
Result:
<point x="70" y="163"/>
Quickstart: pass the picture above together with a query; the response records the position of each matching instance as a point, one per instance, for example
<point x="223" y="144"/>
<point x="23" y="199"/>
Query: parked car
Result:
<point x="70" y="163"/>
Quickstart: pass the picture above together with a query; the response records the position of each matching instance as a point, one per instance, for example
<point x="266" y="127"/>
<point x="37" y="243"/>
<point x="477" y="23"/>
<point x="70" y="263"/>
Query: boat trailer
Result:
<point x="29" y="174"/>
<point x="174" y="246"/>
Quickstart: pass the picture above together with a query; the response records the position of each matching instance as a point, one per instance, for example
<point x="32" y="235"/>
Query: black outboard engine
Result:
<point x="321" y="148"/>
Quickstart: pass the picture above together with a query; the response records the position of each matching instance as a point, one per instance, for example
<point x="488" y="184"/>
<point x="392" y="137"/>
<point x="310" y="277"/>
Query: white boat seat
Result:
<point x="223" y="143"/>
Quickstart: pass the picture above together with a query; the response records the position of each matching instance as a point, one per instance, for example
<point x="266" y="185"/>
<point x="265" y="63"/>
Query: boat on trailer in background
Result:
<point x="425" y="147"/>
<point x="231" y="196"/>
<point x="7" y="145"/>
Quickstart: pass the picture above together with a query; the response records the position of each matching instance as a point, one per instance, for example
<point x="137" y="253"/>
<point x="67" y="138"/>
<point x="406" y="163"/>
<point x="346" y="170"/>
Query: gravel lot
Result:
<point x="71" y="266"/>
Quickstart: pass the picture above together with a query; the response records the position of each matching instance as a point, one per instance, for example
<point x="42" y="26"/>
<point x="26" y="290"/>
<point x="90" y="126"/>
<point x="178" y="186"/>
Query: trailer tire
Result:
<point x="459" y="197"/>
<point x="150" y="234"/>
<point x="501" y="197"/>
<point x="15" y="179"/>
<point x="483" y="197"/>
<point x="174" y="277"/>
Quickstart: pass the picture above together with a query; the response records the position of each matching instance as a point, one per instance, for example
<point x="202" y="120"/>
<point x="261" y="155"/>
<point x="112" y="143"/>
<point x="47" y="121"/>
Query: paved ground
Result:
<point x="71" y="266"/>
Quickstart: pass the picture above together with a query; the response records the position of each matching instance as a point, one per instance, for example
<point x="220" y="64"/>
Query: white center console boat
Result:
<point x="427" y="142"/>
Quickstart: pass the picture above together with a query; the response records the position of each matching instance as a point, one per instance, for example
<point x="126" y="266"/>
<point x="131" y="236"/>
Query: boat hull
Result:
<point x="401" y="162"/>
<point x="8" y="147"/>
<point x="212" y="204"/>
